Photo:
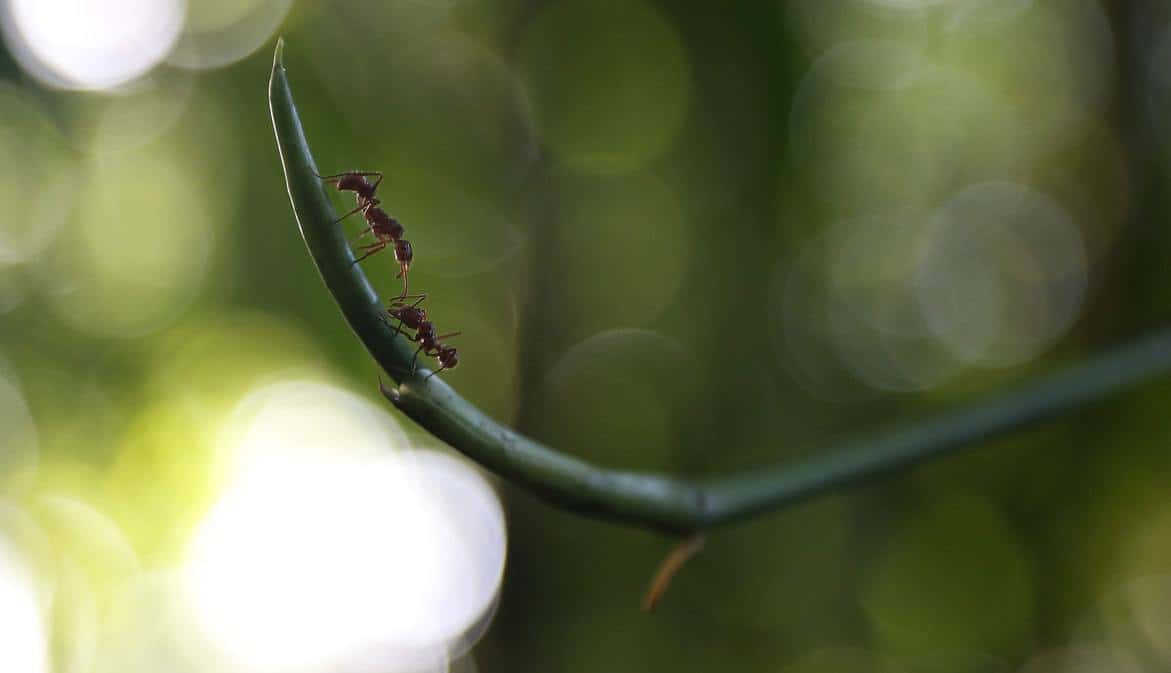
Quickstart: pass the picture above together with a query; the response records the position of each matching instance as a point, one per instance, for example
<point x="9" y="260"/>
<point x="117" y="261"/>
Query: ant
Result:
<point x="385" y="228"/>
<point x="412" y="316"/>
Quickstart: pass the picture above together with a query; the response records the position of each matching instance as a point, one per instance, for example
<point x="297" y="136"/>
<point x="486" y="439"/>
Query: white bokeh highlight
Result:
<point x="319" y="557"/>
<point x="23" y="636"/>
<point x="95" y="44"/>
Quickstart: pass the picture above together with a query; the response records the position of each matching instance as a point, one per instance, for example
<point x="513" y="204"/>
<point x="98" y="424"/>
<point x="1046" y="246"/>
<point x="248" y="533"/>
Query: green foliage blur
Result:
<point x="683" y="236"/>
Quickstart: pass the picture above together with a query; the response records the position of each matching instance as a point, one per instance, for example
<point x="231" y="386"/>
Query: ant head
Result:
<point x="448" y="357"/>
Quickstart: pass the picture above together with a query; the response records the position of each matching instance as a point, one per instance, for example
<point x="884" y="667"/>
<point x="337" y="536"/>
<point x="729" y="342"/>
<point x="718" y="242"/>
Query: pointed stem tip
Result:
<point x="278" y="57"/>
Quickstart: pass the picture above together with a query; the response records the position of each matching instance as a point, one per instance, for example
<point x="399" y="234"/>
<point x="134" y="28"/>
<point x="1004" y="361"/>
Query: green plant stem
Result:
<point x="648" y="500"/>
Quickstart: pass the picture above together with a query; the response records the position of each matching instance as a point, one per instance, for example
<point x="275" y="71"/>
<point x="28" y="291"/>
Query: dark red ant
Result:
<point x="413" y="316"/>
<point x="385" y="228"/>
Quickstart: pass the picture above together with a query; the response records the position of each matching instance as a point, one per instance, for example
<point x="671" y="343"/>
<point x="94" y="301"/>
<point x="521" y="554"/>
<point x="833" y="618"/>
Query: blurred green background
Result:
<point x="684" y="236"/>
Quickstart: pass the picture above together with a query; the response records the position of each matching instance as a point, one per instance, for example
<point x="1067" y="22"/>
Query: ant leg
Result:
<point x="386" y="318"/>
<point x="402" y="274"/>
<point x="428" y="377"/>
<point x="399" y="299"/>
<point x="414" y="360"/>
<point x="441" y="337"/>
<point x="352" y="212"/>
<point x="364" y="234"/>
<point x="364" y="174"/>
<point x="370" y="250"/>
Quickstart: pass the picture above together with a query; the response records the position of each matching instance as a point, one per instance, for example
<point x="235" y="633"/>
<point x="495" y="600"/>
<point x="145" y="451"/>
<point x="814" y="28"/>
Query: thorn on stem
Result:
<point x="668" y="569"/>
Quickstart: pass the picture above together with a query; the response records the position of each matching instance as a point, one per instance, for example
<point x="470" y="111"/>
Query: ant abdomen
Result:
<point x="353" y="183"/>
<point x="403" y="253"/>
<point x="384" y="225"/>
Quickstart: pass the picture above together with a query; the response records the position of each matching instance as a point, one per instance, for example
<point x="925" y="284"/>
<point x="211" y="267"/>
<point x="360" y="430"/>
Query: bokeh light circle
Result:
<point x="221" y="32"/>
<point x="1005" y="274"/>
<point x="392" y="561"/>
<point x="140" y="254"/>
<point x="19" y="446"/>
<point x="93" y="560"/>
<point x="304" y="418"/>
<point x="878" y="327"/>
<point x="624" y="247"/>
<point x="147" y="628"/>
<point x="89" y="537"/>
<point x="39" y="190"/>
<point x="25" y="647"/>
<point x="821" y="25"/>
<point x="954" y="576"/>
<point x="874" y="65"/>
<point x="876" y="134"/>
<point x="968" y="14"/>
<point x="609" y="81"/>
<point x="1054" y="63"/>
<point x="800" y="329"/>
<point x="1084" y="658"/>
<point x="96" y="44"/>
<point x="136" y="117"/>
<point x="619" y="389"/>
<point x="845" y="310"/>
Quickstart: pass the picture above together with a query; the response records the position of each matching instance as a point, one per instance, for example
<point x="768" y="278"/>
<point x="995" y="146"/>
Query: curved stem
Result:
<point x="655" y="501"/>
